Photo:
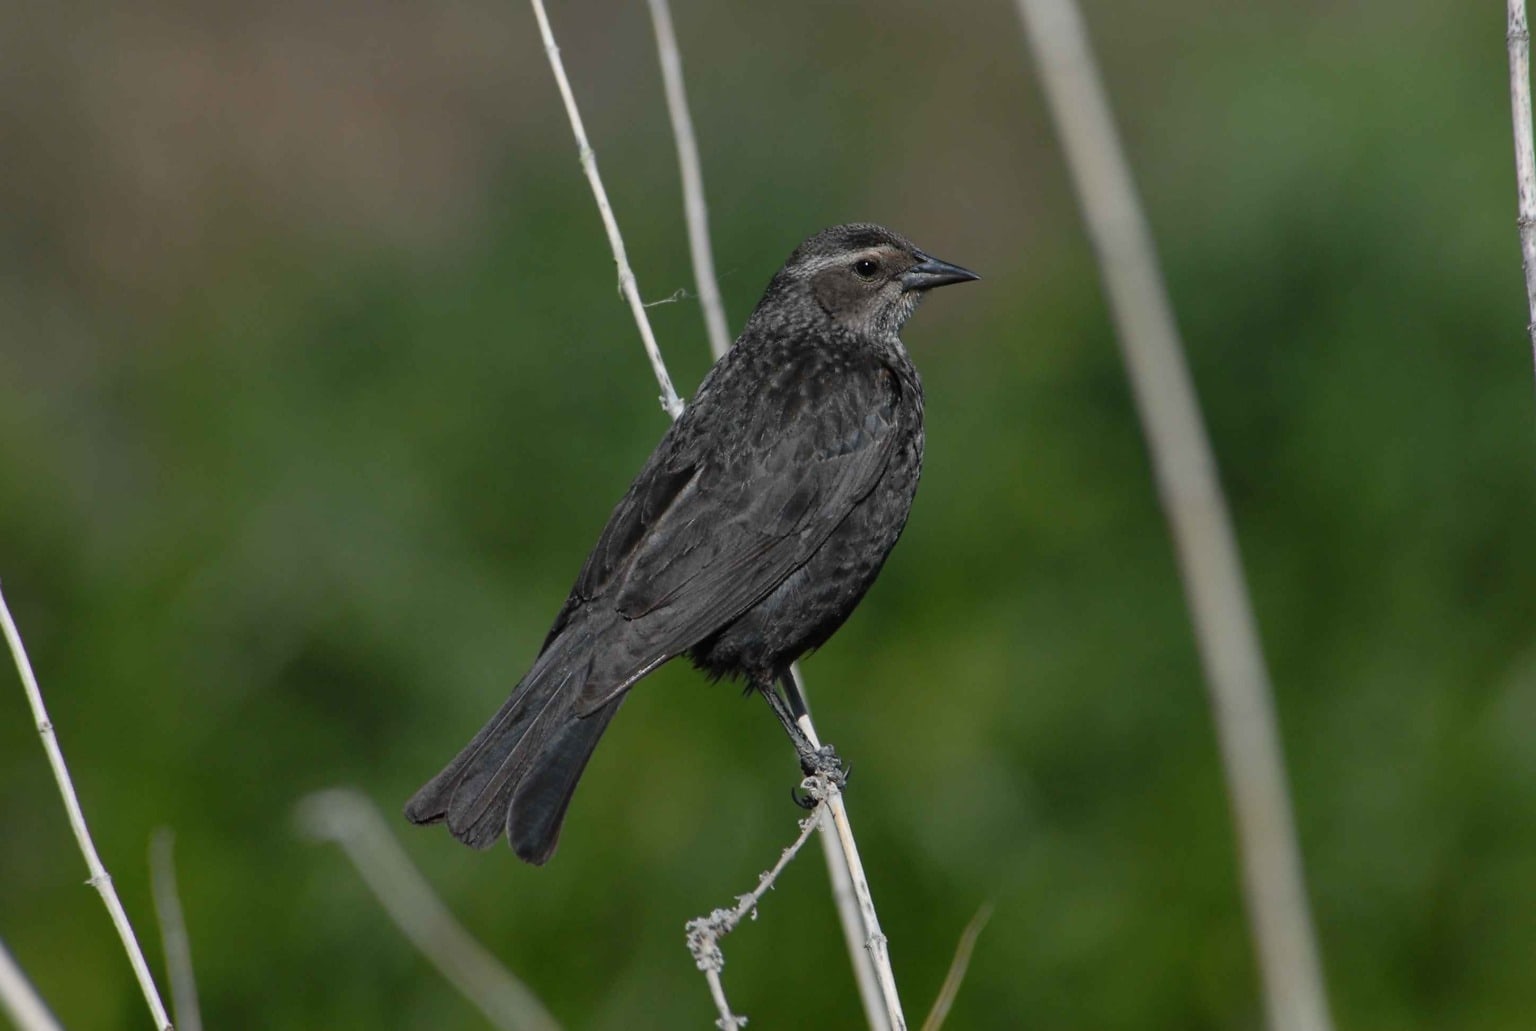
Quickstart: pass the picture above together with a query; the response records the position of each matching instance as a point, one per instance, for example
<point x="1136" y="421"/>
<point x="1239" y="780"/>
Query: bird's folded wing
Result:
<point x="740" y="524"/>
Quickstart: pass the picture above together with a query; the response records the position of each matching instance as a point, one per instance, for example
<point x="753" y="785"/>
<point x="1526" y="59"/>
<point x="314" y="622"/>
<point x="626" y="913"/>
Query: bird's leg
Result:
<point x="784" y="710"/>
<point x="789" y="708"/>
<point x="793" y="696"/>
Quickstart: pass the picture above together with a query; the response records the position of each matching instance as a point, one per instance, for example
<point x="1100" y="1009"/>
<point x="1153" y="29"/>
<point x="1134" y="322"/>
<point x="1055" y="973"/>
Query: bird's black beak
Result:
<point x="930" y="272"/>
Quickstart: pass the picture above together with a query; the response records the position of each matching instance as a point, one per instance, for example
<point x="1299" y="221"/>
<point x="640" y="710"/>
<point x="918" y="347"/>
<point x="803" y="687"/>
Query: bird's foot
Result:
<point x="822" y="764"/>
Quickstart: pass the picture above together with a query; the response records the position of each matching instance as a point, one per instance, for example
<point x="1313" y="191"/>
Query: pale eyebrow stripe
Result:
<point x="882" y="251"/>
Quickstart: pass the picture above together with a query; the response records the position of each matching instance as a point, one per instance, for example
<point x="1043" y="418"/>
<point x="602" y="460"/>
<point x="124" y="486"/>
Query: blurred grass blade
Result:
<point x="1205" y="545"/>
<point x="957" y="968"/>
<point x="351" y="820"/>
<point x="19" y="1000"/>
<point x="173" y="930"/>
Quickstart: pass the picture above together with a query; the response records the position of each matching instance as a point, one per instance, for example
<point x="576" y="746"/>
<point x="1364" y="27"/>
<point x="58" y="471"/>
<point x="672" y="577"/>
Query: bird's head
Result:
<point x="863" y="277"/>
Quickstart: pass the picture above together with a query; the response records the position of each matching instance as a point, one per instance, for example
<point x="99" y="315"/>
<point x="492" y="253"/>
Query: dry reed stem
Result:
<point x="1519" y="38"/>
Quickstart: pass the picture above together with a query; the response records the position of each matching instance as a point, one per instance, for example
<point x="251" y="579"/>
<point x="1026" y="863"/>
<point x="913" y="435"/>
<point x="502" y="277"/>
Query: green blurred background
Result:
<point x="315" y="389"/>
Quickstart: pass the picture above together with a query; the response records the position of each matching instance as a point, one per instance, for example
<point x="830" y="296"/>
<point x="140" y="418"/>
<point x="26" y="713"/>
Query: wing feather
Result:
<point x="741" y="522"/>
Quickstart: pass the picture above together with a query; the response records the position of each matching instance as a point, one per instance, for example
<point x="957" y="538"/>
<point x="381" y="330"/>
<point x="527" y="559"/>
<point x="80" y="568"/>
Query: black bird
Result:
<point x="754" y="529"/>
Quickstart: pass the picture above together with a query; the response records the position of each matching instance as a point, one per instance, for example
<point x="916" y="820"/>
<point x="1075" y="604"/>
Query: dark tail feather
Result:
<point x="476" y="818"/>
<point x="518" y="774"/>
<point x="544" y="793"/>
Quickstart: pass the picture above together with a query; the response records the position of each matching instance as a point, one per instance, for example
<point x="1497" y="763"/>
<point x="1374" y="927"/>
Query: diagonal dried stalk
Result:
<point x="99" y="880"/>
<point x="670" y="402"/>
<point x="349" y="819"/>
<point x="1519" y="35"/>
<point x="1206" y="547"/>
<point x="705" y="932"/>
<point x="19" y="1000"/>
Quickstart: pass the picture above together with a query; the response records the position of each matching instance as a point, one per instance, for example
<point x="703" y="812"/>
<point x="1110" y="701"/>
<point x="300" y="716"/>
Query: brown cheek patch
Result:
<point x="835" y="289"/>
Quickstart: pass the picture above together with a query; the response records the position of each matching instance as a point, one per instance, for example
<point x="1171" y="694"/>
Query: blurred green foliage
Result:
<point x="314" y="389"/>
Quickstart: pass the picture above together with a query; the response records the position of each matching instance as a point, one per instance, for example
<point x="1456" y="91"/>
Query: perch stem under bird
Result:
<point x="751" y="533"/>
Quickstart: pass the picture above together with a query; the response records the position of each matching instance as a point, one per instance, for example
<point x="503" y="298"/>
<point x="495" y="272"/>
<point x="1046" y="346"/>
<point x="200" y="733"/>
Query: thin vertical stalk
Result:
<point x="875" y="942"/>
<point x="849" y="916"/>
<point x="692" y="174"/>
<point x="1519" y="38"/>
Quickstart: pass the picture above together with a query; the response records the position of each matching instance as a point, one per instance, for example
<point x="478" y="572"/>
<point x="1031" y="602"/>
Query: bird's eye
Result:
<point x="865" y="268"/>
